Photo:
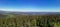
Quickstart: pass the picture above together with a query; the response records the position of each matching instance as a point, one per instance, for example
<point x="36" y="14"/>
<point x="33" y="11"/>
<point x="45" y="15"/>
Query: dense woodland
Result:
<point x="10" y="20"/>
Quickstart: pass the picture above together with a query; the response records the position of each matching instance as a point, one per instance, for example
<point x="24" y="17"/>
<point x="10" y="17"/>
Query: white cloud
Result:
<point x="30" y="10"/>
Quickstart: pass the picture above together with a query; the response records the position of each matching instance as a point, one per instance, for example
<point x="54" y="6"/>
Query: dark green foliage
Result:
<point x="29" y="21"/>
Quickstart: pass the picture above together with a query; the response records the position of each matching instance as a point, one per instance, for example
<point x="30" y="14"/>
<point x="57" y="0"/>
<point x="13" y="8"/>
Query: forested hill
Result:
<point x="29" y="19"/>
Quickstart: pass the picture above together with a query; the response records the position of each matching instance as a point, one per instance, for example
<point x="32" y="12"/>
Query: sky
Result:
<point x="30" y="5"/>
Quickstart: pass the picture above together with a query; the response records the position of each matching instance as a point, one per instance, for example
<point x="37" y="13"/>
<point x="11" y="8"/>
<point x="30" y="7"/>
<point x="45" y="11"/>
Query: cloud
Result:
<point x="29" y="10"/>
<point x="20" y="10"/>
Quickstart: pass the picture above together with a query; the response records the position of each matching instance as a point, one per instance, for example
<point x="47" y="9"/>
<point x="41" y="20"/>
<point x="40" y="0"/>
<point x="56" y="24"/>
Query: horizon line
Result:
<point x="19" y="10"/>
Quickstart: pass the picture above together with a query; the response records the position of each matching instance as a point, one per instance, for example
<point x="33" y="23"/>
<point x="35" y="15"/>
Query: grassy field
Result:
<point x="11" y="20"/>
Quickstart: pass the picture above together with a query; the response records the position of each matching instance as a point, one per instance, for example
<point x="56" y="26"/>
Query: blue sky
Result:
<point x="30" y="5"/>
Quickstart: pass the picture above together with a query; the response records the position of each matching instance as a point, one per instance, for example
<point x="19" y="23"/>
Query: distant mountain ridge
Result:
<point x="29" y="13"/>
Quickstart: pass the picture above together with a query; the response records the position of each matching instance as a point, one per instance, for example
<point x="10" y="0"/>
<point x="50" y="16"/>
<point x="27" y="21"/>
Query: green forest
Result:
<point x="11" y="20"/>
